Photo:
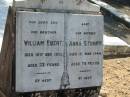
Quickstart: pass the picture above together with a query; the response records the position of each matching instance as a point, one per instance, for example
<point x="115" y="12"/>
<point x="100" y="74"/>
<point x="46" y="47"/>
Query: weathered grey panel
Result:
<point x="80" y="5"/>
<point x="34" y="61"/>
<point x="85" y="50"/>
<point x="71" y="42"/>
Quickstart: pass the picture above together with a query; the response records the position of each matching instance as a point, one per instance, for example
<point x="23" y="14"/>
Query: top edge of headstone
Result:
<point x="73" y="5"/>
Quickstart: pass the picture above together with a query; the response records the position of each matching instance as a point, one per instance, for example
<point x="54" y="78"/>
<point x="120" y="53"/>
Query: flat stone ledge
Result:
<point x="115" y="46"/>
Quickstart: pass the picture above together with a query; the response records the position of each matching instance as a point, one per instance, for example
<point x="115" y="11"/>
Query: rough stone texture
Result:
<point x="121" y="16"/>
<point x="7" y="55"/>
<point x="79" y="5"/>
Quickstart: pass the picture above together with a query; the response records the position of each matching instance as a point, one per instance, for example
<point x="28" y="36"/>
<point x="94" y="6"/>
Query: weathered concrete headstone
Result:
<point x="58" y="51"/>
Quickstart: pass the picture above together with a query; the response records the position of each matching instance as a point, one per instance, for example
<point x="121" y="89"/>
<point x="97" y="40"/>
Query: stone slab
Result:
<point x="115" y="46"/>
<point x="113" y="41"/>
<point x="85" y="50"/>
<point x="38" y="36"/>
<point x="74" y="5"/>
<point x="58" y="51"/>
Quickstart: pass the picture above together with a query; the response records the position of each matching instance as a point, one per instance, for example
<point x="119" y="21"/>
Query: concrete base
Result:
<point x="115" y="46"/>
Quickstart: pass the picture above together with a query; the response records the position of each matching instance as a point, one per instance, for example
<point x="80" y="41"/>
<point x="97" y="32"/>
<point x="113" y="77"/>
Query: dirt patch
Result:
<point x="116" y="82"/>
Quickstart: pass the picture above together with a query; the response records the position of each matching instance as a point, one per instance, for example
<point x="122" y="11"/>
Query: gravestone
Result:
<point x="50" y="49"/>
<point x="58" y="51"/>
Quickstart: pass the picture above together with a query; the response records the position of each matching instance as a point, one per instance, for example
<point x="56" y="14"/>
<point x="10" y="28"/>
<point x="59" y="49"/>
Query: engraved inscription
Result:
<point x="58" y="51"/>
